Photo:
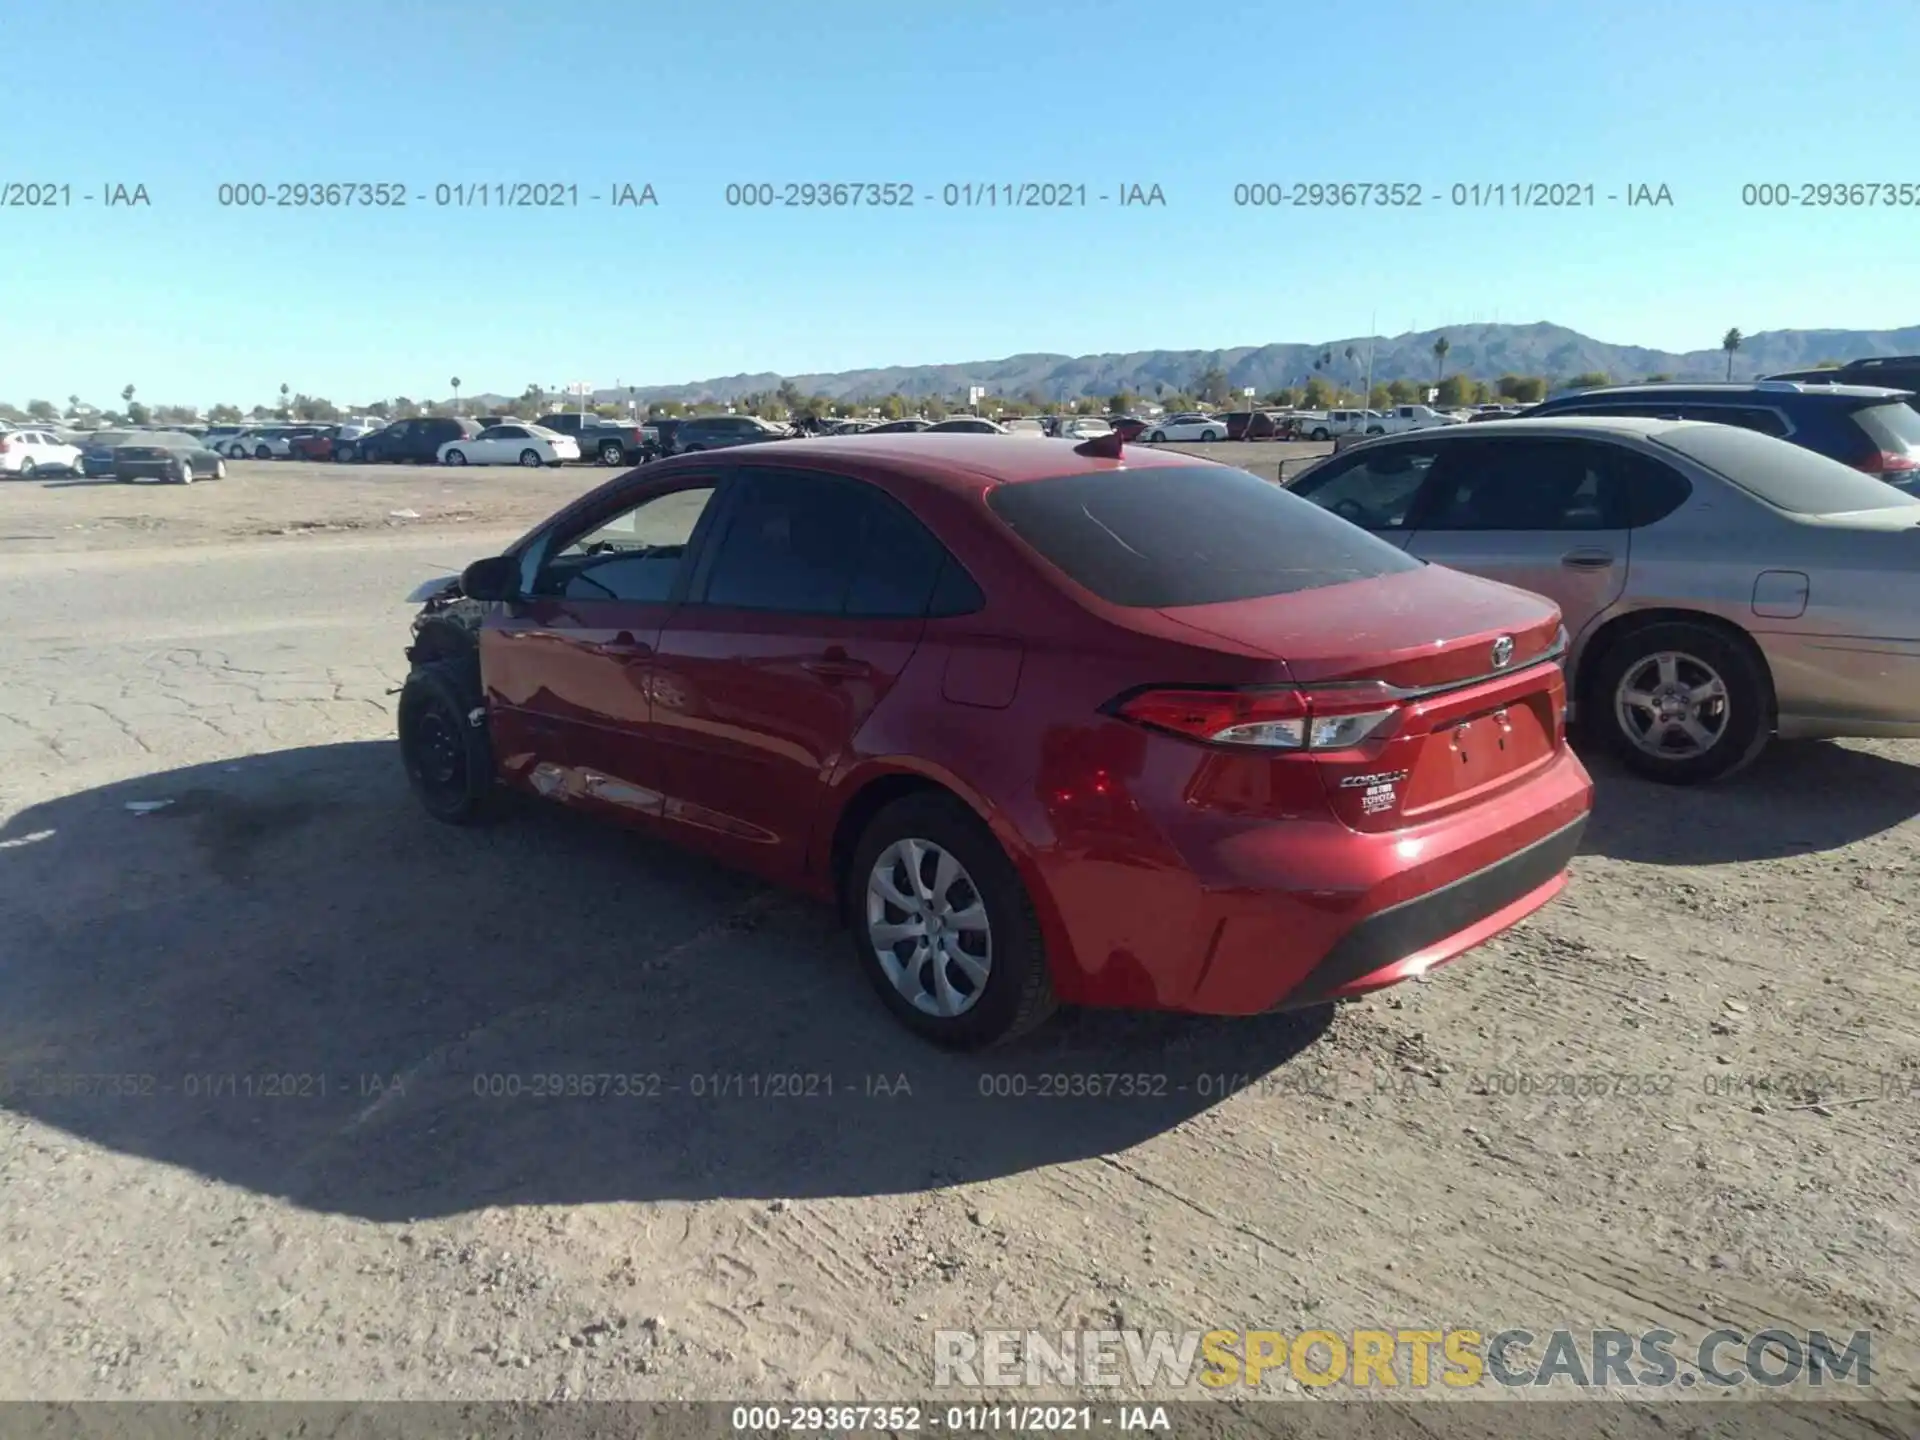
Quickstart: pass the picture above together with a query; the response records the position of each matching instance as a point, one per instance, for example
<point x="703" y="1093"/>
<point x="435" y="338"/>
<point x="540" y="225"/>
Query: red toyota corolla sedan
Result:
<point x="1049" y="722"/>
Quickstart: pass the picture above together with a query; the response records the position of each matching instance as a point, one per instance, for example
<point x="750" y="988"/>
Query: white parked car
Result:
<point x="1188" y="425"/>
<point x="1022" y="425"/>
<point x="1084" y="427"/>
<point x="262" y="442"/>
<point x="512" y="445"/>
<point x="967" y="425"/>
<point x="1402" y="418"/>
<point x="26" y="452"/>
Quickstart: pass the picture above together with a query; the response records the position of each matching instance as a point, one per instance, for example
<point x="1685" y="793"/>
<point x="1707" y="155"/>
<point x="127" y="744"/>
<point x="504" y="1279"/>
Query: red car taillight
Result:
<point x="1271" y="719"/>
<point x="1887" y="462"/>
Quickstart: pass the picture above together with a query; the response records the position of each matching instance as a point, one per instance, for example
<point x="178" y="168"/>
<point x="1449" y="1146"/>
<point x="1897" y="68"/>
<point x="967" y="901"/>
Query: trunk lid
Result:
<point x="1469" y="666"/>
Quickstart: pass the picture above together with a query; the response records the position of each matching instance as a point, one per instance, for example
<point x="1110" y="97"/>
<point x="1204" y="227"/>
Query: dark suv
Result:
<point x="1869" y="427"/>
<point x="1899" y="372"/>
<point x="715" y="432"/>
<point x="413" y="442"/>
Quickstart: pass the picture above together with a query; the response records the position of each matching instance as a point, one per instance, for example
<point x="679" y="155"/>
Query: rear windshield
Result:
<point x="1783" y="475"/>
<point x="1894" y="428"/>
<point x="1188" y="535"/>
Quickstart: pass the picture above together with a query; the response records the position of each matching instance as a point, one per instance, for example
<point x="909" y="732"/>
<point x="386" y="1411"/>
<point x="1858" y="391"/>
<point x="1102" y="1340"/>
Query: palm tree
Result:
<point x="127" y="395"/>
<point x="455" y="382"/>
<point x="1440" y="348"/>
<point x="284" y="412"/>
<point x="1730" y="342"/>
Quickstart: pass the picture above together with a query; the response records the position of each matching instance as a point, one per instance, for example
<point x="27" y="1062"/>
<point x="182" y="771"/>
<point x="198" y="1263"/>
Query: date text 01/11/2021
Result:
<point x="446" y="194"/>
<point x="953" y="195"/>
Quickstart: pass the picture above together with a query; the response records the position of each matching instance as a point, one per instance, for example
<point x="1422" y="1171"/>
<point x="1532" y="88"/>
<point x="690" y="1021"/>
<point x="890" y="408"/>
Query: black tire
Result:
<point x="262" y="452"/>
<point x="1375" y="430"/>
<point x="448" y="758"/>
<point x="612" y="452"/>
<point x="1018" y="993"/>
<point x="1745" y="725"/>
<point x="27" y="467"/>
<point x="1320" y="434"/>
<point x="690" y="449"/>
<point x="456" y="457"/>
<point x="1207" y="437"/>
<point x="531" y="457"/>
<point x="1158" y="437"/>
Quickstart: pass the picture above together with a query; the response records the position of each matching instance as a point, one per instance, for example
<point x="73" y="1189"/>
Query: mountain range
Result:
<point x="1484" y="352"/>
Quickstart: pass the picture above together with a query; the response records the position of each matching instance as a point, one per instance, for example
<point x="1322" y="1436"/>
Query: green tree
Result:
<point x="12" y="414"/>
<point x="1120" y="402"/>
<point x="934" y="408"/>
<point x="789" y="396"/>
<point x="1456" y="390"/>
<point x="404" y="409"/>
<point x="1440" y="349"/>
<point x="1318" y="394"/>
<point x="1730" y="342"/>
<point x="73" y="406"/>
<point x="1087" y="405"/>
<point x="1531" y="390"/>
<point x="138" y="414"/>
<point x="285" y="408"/>
<point x="41" y="410"/>
<point x="455" y="382"/>
<point x="1213" y="386"/>
<point x="224" y="415"/>
<point x="1285" y="398"/>
<point x="1379" y="398"/>
<point x="127" y="395"/>
<point x="1589" y="380"/>
<point x="1403" y="392"/>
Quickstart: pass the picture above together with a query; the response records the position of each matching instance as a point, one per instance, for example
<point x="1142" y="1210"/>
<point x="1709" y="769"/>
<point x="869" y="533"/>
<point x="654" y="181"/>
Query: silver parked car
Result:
<point x="1719" y="586"/>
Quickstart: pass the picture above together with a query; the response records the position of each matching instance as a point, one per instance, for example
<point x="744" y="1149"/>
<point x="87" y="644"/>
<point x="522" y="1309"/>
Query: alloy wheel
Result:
<point x="928" y="926"/>
<point x="1672" y="705"/>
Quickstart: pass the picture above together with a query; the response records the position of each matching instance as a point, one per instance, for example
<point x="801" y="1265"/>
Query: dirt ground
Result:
<point x="271" y="1122"/>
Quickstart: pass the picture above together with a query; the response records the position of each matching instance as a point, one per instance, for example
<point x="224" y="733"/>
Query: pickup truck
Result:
<point x="611" y="442"/>
<point x="1402" y="418"/>
<point x="1331" y="424"/>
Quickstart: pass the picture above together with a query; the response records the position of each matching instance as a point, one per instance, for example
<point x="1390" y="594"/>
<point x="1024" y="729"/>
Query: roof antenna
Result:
<point x="1101" y="447"/>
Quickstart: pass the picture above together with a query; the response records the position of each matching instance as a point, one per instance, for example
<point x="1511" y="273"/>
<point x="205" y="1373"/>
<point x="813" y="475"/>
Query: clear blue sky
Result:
<point x="194" y="303"/>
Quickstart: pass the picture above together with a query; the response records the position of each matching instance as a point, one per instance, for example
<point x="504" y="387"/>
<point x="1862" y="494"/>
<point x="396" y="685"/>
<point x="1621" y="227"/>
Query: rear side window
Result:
<point x="1188" y="535"/>
<point x="806" y="543"/>
<point x="1645" y="489"/>
<point x="1764" y="422"/>
<point x="1521" y="484"/>
<point x="1783" y="475"/>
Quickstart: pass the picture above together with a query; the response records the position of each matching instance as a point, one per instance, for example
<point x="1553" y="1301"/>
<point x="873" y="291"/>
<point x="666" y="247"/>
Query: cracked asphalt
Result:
<point x="303" y="1096"/>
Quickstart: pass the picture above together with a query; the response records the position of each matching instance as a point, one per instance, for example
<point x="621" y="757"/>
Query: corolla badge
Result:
<point x="1503" y="652"/>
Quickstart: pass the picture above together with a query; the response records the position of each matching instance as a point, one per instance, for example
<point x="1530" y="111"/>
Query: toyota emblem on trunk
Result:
<point x="1502" y="652"/>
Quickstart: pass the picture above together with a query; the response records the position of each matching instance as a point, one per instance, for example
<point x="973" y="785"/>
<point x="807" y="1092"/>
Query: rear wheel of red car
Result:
<point x="943" y="926"/>
<point x="448" y="757"/>
<point x="1681" y="703"/>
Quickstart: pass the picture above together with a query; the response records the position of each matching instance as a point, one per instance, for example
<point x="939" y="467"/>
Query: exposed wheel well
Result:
<point x="442" y="640"/>
<point x="868" y="802"/>
<point x="1621" y="626"/>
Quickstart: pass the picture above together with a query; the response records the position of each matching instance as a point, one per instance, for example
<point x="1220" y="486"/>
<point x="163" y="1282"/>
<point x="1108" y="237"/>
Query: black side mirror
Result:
<point x="495" y="578"/>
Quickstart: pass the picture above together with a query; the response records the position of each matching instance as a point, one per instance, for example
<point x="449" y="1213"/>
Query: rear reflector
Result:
<point x="1283" y="719"/>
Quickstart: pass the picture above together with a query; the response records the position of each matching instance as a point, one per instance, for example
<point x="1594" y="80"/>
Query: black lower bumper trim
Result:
<point x="1405" y="929"/>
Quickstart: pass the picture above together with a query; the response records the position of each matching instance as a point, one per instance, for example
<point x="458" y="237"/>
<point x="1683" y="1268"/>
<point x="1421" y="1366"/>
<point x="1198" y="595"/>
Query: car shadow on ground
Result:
<point x="1799" y="797"/>
<point x="286" y="978"/>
